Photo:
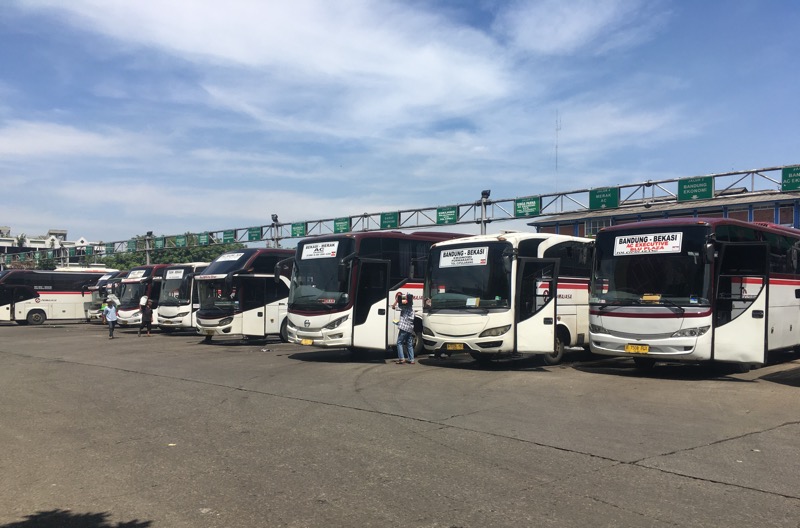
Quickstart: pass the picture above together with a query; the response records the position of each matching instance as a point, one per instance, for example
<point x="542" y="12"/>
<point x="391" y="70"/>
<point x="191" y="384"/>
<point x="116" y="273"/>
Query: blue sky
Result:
<point x="120" y="117"/>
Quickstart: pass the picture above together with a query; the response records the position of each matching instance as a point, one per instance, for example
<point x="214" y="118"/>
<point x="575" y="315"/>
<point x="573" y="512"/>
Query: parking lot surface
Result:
<point x="168" y="432"/>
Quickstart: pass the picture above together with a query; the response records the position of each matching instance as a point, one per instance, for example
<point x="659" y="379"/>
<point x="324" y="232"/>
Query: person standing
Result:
<point x="405" y="338"/>
<point x="110" y="313"/>
<point x="147" y="318"/>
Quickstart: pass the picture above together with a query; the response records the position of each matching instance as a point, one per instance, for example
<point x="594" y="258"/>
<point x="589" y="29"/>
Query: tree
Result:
<point x="22" y="240"/>
<point x="128" y="260"/>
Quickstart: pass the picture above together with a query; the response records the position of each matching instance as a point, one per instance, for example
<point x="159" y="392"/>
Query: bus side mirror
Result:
<point x="507" y="261"/>
<point x="709" y="252"/>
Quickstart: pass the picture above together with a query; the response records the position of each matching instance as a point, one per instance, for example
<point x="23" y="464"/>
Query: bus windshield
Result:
<point x="217" y="297"/>
<point x="131" y="292"/>
<point x="470" y="276"/>
<point x="315" y="284"/>
<point x="643" y="265"/>
<point x="176" y="290"/>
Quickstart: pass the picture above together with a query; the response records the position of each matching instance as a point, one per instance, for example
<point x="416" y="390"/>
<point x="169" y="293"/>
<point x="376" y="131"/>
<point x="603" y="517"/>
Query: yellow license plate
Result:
<point x="454" y="346"/>
<point x="306" y="341"/>
<point x="637" y="349"/>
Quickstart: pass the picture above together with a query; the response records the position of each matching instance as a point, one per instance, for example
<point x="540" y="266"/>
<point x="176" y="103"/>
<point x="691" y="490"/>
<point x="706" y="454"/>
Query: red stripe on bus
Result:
<point x="665" y="315"/>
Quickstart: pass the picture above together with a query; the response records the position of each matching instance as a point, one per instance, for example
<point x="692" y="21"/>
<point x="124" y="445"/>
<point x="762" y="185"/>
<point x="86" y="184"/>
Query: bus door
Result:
<point x="10" y="295"/>
<point x="740" y="304"/>
<point x="370" y="311"/>
<point x="262" y="309"/>
<point x="535" y="305"/>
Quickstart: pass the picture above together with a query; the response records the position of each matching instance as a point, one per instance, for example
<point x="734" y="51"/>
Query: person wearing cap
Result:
<point x="405" y="338"/>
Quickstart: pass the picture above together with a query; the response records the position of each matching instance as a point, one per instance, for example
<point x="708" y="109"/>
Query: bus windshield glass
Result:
<point x="315" y="282"/>
<point x="131" y="292"/>
<point x="176" y="290"/>
<point x="470" y="276"/>
<point x="643" y="265"/>
<point x="217" y="297"/>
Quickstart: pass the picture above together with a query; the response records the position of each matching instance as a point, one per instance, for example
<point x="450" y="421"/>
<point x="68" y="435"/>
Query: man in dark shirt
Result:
<point x="147" y="318"/>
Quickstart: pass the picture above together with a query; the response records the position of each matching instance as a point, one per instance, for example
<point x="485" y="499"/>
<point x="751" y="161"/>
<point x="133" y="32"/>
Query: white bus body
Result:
<point x="509" y="293"/>
<point x="343" y="287"/>
<point x="694" y="290"/>
<point x="33" y="297"/>
<point x="141" y="281"/>
<point x="238" y="295"/>
<point x="178" y="302"/>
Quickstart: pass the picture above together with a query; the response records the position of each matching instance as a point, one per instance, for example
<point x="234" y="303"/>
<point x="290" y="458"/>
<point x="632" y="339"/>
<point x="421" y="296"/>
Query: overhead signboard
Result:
<point x="790" y="178"/>
<point x="607" y="198"/>
<point x="109" y="248"/>
<point x="447" y="215"/>
<point x="229" y="237"/>
<point x="390" y="220"/>
<point x="528" y="206"/>
<point x="132" y="245"/>
<point x="253" y="234"/>
<point x="202" y="239"/>
<point x="341" y="225"/>
<point x="691" y="189"/>
<point x="159" y="243"/>
<point x="180" y="241"/>
<point x="299" y="229"/>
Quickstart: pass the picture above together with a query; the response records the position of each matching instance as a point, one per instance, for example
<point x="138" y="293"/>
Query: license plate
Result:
<point x="306" y="341"/>
<point x="637" y="349"/>
<point x="454" y="346"/>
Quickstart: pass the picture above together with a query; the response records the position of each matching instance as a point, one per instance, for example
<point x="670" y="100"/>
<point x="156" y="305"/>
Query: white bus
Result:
<point x="141" y="281"/>
<point x="178" y="302"/>
<point x="695" y="290"/>
<point x="239" y="295"/>
<point x="33" y="297"/>
<point x="343" y="286"/>
<point x="507" y="294"/>
<point x="108" y="285"/>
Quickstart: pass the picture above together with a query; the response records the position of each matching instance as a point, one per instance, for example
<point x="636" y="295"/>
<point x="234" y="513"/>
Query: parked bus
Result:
<point x="29" y="296"/>
<point x="107" y="285"/>
<point x="141" y="281"/>
<point x="343" y="286"/>
<point x="178" y="303"/>
<point x="239" y="295"/>
<point x="697" y="289"/>
<point x="507" y="294"/>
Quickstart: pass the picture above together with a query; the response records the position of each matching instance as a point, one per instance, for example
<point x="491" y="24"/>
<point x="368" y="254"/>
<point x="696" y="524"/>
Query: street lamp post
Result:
<point x="484" y="202"/>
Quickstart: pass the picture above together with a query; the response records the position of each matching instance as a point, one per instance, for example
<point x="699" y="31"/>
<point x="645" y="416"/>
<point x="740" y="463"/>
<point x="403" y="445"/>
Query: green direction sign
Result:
<point x="8" y="259"/>
<point x="202" y="239"/>
<point x="253" y="234"/>
<point x="341" y="225"/>
<point x="390" y="220"/>
<point x="528" y="206"/>
<point x="691" y="189"/>
<point x="159" y="243"/>
<point x="89" y="250"/>
<point x="790" y="180"/>
<point x="299" y="229"/>
<point x="38" y="256"/>
<point x="447" y="215"/>
<point x="50" y="253"/>
<point x="607" y="198"/>
<point x="72" y="252"/>
<point x="180" y="241"/>
<point x="132" y="245"/>
<point x="229" y="237"/>
<point x="109" y="248"/>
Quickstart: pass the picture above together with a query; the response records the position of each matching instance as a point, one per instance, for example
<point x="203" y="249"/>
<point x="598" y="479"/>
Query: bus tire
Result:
<point x="644" y="363"/>
<point x="558" y="354"/>
<point x="36" y="317"/>
<point x="285" y="331"/>
<point x="418" y="346"/>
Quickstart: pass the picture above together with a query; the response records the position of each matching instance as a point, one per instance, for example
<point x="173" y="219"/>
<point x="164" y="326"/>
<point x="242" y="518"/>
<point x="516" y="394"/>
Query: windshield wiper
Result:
<point x="671" y="304"/>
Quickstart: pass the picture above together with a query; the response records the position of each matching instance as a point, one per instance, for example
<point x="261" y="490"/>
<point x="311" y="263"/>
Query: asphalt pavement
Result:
<point x="165" y="431"/>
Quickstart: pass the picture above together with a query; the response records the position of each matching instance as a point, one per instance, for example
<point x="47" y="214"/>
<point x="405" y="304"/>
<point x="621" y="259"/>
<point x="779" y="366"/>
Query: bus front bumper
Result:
<point x="215" y="327"/>
<point x="319" y="337"/>
<point x="438" y="344"/>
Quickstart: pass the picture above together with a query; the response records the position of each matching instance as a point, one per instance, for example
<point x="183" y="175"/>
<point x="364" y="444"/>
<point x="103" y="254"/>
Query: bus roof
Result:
<point x="510" y="236"/>
<point x="711" y="222"/>
<point x="432" y="236"/>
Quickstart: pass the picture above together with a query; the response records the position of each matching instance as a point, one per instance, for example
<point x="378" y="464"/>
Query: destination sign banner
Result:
<point x="648" y="243"/>
<point x="472" y="256"/>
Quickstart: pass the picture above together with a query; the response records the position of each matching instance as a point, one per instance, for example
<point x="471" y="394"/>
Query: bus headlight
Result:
<point x="182" y="314"/>
<point x="226" y="321"/>
<point x="336" y="322"/>
<point x="492" y="332"/>
<point x="427" y="331"/>
<point x="691" y="332"/>
<point x="597" y="329"/>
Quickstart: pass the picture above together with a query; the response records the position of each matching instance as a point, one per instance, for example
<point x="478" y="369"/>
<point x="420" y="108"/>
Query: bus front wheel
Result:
<point x="36" y="317"/>
<point x="558" y="353"/>
<point x="285" y="331"/>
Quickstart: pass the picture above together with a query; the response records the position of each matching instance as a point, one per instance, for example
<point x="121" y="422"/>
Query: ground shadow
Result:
<point x="68" y="519"/>
<point x="342" y="355"/>
<point x="789" y="377"/>
<point x="239" y="341"/>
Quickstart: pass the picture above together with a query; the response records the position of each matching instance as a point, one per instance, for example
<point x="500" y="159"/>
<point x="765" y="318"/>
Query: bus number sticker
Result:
<point x="135" y="274"/>
<point x="645" y="244"/>
<point x="453" y="258"/>
<point x="320" y="250"/>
